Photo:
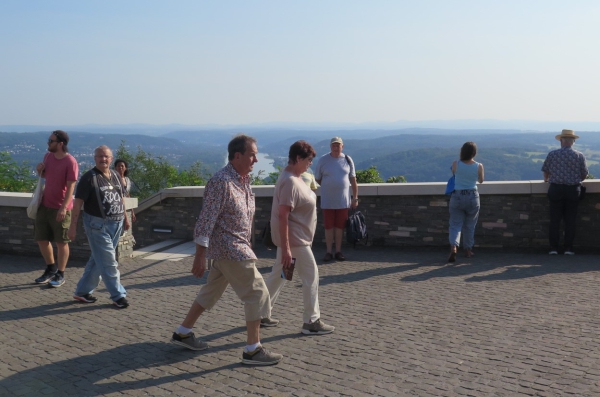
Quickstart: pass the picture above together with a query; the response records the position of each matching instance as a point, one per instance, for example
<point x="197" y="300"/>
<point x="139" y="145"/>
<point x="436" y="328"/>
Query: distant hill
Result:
<point x="32" y="146"/>
<point x="427" y="158"/>
<point x="420" y="154"/>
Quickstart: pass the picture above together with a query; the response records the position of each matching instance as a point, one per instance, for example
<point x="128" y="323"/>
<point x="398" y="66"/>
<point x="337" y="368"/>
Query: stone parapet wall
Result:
<point x="513" y="215"/>
<point x="16" y="229"/>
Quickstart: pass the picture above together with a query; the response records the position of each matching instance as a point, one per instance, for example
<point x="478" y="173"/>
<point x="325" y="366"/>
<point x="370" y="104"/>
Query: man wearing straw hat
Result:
<point x="564" y="169"/>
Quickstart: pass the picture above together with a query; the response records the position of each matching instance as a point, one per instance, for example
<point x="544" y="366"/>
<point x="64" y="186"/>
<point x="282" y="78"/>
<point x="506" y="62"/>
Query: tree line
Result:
<point x="150" y="174"/>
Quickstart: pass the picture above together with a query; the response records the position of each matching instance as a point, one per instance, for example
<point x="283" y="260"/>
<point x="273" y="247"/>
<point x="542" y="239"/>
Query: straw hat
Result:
<point x="567" y="134"/>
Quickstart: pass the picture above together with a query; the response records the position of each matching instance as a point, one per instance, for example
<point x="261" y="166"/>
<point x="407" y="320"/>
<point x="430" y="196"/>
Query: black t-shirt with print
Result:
<point x="111" y="194"/>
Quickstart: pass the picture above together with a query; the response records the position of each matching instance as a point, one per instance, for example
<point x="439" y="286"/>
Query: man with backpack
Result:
<point x="335" y="173"/>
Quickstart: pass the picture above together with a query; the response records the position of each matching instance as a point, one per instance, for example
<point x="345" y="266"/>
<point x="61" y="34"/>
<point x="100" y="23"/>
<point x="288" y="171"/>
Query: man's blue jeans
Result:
<point x="103" y="236"/>
<point x="464" y="211"/>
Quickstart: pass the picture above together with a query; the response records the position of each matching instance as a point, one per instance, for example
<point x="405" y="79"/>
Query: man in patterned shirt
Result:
<point x="223" y="234"/>
<point x="564" y="168"/>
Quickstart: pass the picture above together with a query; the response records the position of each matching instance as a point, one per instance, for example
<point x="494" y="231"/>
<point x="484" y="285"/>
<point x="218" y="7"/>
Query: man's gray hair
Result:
<point x="102" y="148"/>
<point x="569" y="141"/>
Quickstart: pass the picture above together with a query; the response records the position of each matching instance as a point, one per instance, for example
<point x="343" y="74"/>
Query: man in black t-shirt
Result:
<point x="103" y="219"/>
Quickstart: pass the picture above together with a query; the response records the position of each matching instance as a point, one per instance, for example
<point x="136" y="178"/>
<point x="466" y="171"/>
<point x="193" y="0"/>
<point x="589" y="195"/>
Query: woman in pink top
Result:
<point x="293" y="224"/>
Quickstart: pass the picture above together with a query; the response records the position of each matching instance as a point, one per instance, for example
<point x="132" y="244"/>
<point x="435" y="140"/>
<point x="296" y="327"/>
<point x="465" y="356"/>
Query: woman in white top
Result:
<point x="464" y="202"/>
<point x="293" y="225"/>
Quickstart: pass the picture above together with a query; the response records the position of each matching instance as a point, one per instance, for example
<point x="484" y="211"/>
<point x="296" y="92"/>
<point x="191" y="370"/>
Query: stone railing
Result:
<point x="513" y="214"/>
<point x="16" y="229"/>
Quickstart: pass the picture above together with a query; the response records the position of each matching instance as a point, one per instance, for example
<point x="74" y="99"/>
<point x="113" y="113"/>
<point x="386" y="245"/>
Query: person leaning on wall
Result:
<point x="564" y="169"/>
<point x="464" y="201"/>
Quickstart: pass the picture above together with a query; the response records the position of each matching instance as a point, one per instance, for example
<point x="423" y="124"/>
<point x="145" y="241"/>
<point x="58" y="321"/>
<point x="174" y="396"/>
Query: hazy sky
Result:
<point x="234" y="62"/>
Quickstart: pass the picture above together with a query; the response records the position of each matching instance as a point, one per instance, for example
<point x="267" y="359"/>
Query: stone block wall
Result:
<point x="519" y="221"/>
<point x="178" y="214"/>
<point x="17" y="230"/>
<point x="513" y="215"/>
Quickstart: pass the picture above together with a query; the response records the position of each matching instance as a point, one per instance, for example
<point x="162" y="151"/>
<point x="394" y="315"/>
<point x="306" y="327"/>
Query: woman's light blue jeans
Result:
<point x="103" y="236"/>
<point x="464" y="211"/>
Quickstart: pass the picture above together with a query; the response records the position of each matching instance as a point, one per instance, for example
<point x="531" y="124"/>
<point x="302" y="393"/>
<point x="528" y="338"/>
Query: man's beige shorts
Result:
<point x="246" y="281"/>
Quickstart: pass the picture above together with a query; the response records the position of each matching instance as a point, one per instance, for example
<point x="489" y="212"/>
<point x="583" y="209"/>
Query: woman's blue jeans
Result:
<point x="103" y="236"/>
<point x="464" y="211"/>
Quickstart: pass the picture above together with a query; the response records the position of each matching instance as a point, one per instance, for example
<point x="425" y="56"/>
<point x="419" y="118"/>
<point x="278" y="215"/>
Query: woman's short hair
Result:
<point x="302" y="149"/>
<point x="117" y="161"/>
<point x="468" y="151"/>
<point x="239" y="144"/>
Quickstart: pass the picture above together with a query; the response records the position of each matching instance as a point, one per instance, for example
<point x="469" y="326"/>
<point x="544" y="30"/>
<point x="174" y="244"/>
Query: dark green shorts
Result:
<point x="48" y="229"/>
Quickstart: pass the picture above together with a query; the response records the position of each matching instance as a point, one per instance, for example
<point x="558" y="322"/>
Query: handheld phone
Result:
<point x="287" y="275"/>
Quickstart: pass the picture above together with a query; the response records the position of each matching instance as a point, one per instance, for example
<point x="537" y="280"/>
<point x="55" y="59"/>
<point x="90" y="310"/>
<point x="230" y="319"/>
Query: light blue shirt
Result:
<point x="466" y="176"/>
<point x="334" y="173"/>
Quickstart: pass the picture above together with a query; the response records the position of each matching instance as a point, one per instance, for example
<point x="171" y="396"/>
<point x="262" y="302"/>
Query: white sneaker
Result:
<point x="569" y="253"/>
<point x="553" y="252"/>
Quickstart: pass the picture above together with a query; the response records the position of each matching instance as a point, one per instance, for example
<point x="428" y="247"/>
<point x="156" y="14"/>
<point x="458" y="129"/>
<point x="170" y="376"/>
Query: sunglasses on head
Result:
<point x="58" y="138"/>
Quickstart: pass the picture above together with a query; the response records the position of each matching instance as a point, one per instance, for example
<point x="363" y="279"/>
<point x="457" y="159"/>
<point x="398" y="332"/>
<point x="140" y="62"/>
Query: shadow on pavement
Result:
<point x="365" y="274"/>
<point x="87" y="375"/>
<point x="513" y="268"/>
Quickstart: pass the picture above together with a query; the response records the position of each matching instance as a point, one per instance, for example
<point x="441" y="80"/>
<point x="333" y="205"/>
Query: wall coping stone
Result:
<point x="22" y="200"/>
<point x="384" y="189"/>
<point x="8" y="199"/>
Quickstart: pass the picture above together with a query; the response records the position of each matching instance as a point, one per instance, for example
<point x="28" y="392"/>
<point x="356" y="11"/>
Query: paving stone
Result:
<point x="502" y="324"/>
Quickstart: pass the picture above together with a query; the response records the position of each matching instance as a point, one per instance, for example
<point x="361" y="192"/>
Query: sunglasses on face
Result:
<point x="50" y="141"/>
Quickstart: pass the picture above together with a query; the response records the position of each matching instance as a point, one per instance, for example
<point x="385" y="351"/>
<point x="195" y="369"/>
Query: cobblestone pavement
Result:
<point x="499" y="324"/>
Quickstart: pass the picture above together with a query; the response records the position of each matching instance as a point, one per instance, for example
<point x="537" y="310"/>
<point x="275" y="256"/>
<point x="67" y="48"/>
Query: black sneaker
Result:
<point x="57" y="280"/>
<point x="87" y="298"/>
<point x="261" y="356"/>
<point x="121" y="303"/>
<point x="47" y="276"/>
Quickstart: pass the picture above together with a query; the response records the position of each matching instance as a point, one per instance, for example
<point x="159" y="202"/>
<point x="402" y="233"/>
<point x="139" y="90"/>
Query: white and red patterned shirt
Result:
<point x="225" y="222"/>
<point x="565" y="166"/>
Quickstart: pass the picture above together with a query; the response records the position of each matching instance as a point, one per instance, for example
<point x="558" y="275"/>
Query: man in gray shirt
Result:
<point x="336" y="173"/>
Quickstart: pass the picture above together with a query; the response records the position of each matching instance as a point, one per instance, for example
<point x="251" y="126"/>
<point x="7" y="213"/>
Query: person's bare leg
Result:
<point x="193" y="314"/>
<point x="339" y="233"/>
<point x="47" y="251"/>
<point x="62" y="255"/>
<point x="329" y="240"/>
<point x="253" y="332"/>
